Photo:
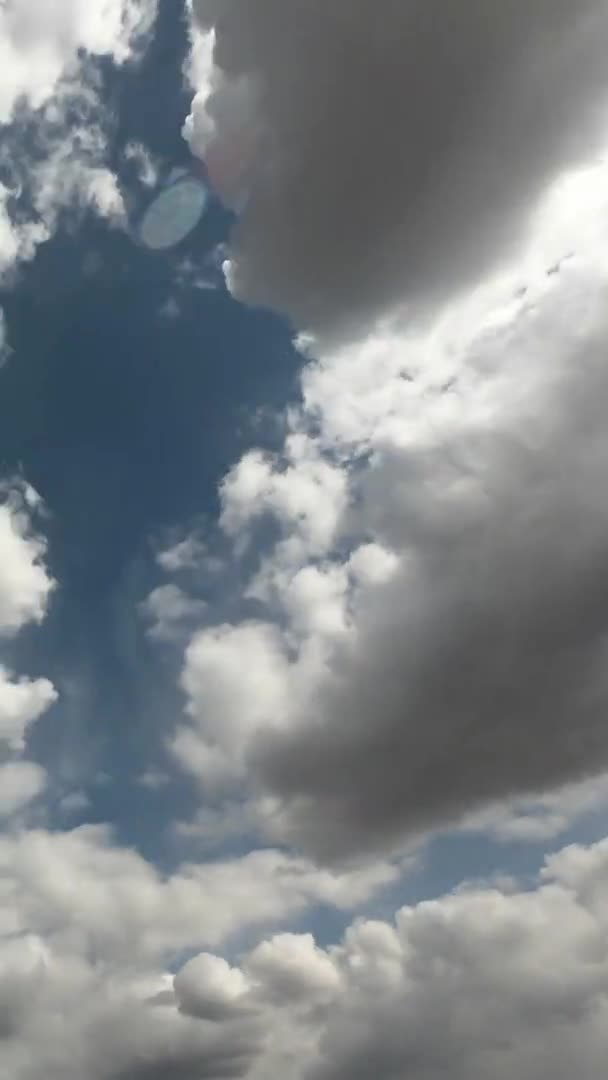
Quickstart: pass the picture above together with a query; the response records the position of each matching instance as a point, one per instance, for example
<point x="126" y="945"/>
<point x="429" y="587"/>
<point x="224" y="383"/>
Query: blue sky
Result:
<point x="124" y="420"/>
<point x="303" y="766"/>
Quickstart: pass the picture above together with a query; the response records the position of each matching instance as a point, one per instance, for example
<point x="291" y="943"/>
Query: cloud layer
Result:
<point x="488" y="980"/>
<point x="398" y="155"/>
<point x="435" y="606"/>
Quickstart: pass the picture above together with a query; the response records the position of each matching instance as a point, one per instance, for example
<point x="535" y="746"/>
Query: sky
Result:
<point x="303" y="532"/>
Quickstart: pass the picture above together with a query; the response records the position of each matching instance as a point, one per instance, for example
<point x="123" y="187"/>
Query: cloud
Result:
<point x="209" y="988"/>
<point x="186" y="554"/>
<point x="291" y="968"/>
<point x="37" y="48"/>
<point x="22" y="702"/>
<point x="398" y="157"/>
<point x="64" y="1018"/>
<point x="25" y="584"/>
<point x="54" y="122"/>
<point x="20" y="782"/>
<point x="478" y="983"/>
<point x="486" y="980"/>
<point x="170" y="609"/>
<point x="85" y="895"/>
<point x="147" y="168"/>
<point x="543" y="817"/>
<point x="481" y="662"/>
<point x="431" y="627"/>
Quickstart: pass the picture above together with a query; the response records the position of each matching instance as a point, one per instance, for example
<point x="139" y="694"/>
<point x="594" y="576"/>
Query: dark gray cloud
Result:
<point x="403" y="145"/>
<point x="480" y="671"/>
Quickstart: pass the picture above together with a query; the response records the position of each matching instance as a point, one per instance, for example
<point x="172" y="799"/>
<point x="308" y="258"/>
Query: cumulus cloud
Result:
<point x="209" y="988"/>
<point x="169" y="610"/>
<point x="20" y="782"/>
<point x="25" y="584"/>
<point x="482" y="661"/>
<point x="38" y="46"/>
<point x="85" y="894"/>
<point x="478" y="983"/>
<point x="398" y="155"/>
<point x="482" y="981"/>
<point x="433" y="638"/>
<point x="22" y="702"/>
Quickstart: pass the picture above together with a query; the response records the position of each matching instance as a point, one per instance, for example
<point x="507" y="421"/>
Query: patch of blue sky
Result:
<point x="125" y="424"/>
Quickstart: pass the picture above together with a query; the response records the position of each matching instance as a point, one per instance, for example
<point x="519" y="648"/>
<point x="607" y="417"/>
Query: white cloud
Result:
<point x="169" y="610"/>
<point x="198" y="67"/>
<point x="290" y="968"/>
<point x="147" y="168"/>
<point x="38" y="46"/>
<point x="86" y="896"/>
<point x="209" y="988"/>
<point x="184" y="555"/>
<point x="22" y="702"/>
<point x="482" y="982"/>
<point x="25" y="585"/>
<point x="236" y="679"/>
<point x="20" y="782"/>
<point x="306" y="493"/>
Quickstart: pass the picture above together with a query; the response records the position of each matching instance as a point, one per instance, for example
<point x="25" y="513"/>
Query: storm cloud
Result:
<point x="400" y="149"/>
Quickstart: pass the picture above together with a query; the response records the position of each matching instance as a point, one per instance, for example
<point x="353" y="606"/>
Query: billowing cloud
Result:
<point x="399" y="152"/>
<point x="209" y="988"/>
<point x="477" y="672"/>
<point x="83" y="893"/>
<point x="25" y="584"/>
<point x="488" y="980"/>
<point x="38" y="46"/>
<point x="22" y="702"/>
<point x="433" y="638"/>
<point x="20" y="782"/>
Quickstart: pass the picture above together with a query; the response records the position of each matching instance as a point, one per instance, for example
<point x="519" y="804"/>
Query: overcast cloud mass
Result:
<point x="303" y="532"/>
<point x="399" y="157"/>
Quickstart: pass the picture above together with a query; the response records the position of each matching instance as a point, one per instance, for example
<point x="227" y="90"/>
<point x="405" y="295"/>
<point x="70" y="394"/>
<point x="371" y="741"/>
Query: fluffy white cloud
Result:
<point x="236" y="678"/>
<point x="483" y="981"/>
<point x="25" y="584"/>
<point x="169" y="610"/>
<point x="39" y="45"/>
<point x="209" y="988"/>
<point x="290" y="968"/>
<point x="87" y="896"/>
<point x="20" y="782"/>
<point x="22" y="702"/>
